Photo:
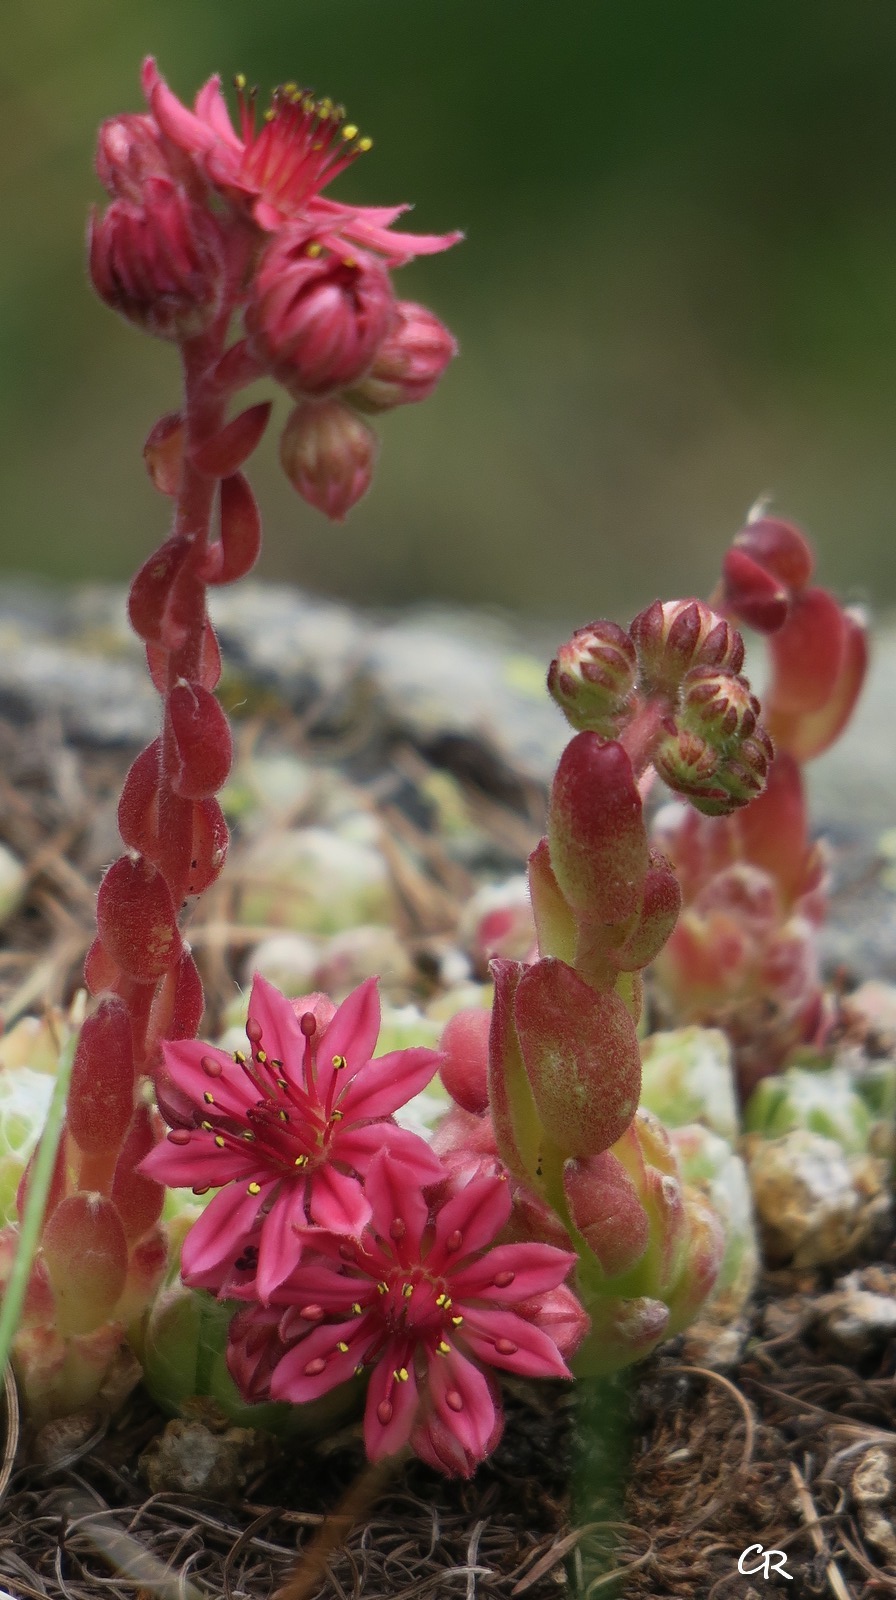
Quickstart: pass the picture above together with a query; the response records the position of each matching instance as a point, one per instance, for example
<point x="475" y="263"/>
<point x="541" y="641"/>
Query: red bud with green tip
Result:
<point x="596" y="834"/>
<point x="86" y="1254"/>
<point x="718" y="706"/>
<point x="101" y="1094"/>
<point x="581" y="1057"/>
<point x="592" y="677"/>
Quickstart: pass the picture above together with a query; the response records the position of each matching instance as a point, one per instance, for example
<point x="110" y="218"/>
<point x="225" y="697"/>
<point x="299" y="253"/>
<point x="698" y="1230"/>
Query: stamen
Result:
<point x="456" y="1322"/>
<point x="339" y="1062"/>
<point x="208" y="1098"/>
<point x="400" y="1374"/>
<point x="220" y="1141"/>
<point x="442" y="1348"/>
<point x="407" y="1290"/>
<point x="239" y="1058"/>
<point x="254" y="1188"/>
<point x="356" y="1308"/>
<point x="441" y="1299"/>
<point x="207" y="1127"/>
<point x="342" y="1347"/>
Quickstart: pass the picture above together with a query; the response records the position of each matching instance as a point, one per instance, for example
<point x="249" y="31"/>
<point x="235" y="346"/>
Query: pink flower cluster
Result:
<point x="207" y="220"/>
<point x="358" y="1250"/>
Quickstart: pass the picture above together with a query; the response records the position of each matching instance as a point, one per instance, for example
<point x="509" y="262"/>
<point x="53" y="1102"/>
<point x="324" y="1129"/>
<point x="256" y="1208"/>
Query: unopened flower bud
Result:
<point x="128" y="151"/>
<point x="315" y="318"/>
<point x="592" y="677"/>
<point x="409" y="362"/>
<point x="720" y="706"/>
<point x="328" y="453"/>
<point x="159" y="262"/>
<point x="673" y="636"/>
<point x="715" y="777"/>
<point x="780" y="547"/>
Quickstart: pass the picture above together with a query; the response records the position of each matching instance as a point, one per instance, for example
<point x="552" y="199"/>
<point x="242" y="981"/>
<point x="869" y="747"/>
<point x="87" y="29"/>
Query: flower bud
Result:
<point x="409" y="362"/>
<point x="464" y="1070"/>
<point x="719" y="706"/>
<point x="160" y="262"/>
<point x="592" y="677"/>
<point x="328" y="454"/>
<point x="713" y="782"/>
<point x="673" y="636"/>
<point x="128" y="151"/>
<point x="780" y="548"/>
<point x="316" y="318"/>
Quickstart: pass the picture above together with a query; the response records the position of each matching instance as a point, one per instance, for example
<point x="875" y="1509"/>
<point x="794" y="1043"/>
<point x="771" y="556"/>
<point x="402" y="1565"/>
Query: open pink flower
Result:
<point x="278" y="169"/>
<point x="287" y="1128"/>
<point x="425" y="1306"/>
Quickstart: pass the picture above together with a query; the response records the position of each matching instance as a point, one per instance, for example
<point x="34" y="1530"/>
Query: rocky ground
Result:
<point x="438" y="727"/>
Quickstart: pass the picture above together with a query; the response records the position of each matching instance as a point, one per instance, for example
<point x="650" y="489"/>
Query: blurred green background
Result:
<point x="678" y="290"/>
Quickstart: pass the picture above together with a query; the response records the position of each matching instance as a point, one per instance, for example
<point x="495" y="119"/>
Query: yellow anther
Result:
<point x="261" y="1058"/>
<point x="342" y="1347"/>
<point x="349" y="131"/>
<point x="290" y="88"/>
<point x="336" y="1116"/>
<point x="401" y="1374"/>
<point x="359" y="1369"/>
<point x="364" y="145"/>
<point x="239" y="1058"/>
<point x="325" y="107"/>
<point x="447" y="1302"/>
<point x="456" y="1322"/>
<point x="301" y="1161"/>
<point x="339" y="1062"/>
<point x="283" y="1116"/>
<point x="357" y="1308"/>
<point x="239" y="81"/>
<point x="314" y="250"/>
<point x="207" y="1127"/>
<point x="247" y="1134"/>
<point x="254" y="1188"/>
<point x="349" y="261"/>
<point x="441" y="1299"/>
<point x="407" y="1290"/>
<point x="442" y="1348"/>
<point x="270" y="114"/>
<point x="220" y="1141"/>
<point x="382" y="1288"/>
<point x="282" y="1083"/>
<point x="208" y="1098"/>
<point x="277" y="1065"/>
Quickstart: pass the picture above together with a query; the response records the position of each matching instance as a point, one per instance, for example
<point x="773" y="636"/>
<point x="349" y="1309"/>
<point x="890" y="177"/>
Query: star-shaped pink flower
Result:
<point x="276" y="170"/>
<point x="289" y="1127"/>
<point x="424" y="1305"/>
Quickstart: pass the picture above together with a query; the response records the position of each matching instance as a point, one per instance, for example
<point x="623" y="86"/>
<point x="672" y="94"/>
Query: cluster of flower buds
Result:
<point x="671" y="690"/>
<point x="744" y="953"/>
<point x="208" y="221"/>
<point x="356" y="1256"/>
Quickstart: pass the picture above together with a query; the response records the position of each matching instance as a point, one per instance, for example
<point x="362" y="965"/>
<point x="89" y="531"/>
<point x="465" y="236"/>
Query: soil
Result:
<point x="653" y="1484"/>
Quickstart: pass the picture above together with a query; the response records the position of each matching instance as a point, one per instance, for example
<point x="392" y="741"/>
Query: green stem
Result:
<point x="35" y="1205"/>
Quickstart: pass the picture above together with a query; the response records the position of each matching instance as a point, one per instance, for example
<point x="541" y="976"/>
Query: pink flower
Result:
<point x="316" y="319"/>
<point x="276" y="171"/>
<point x="158" y="261"/>
<point x="287" y="1129"/>
<point x="426" y="1307"/>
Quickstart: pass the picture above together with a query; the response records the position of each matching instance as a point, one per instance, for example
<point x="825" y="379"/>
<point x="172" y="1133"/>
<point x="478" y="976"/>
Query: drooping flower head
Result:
<point x="427" y="1308"/>
<point x="288" y="1127"/>
<point x="276" y="169"/>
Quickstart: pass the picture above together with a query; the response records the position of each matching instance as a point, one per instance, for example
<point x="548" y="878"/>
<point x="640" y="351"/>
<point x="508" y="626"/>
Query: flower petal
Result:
<point x="388" y="1082"/>
<point x="337" y="1202"/>
<point x="464" y="1401"/>
<point x="231" y="1092"/>
<point x="490" y="1333"/>
<point x="211" y="108"/>
<point x="351" y="1036"/>
<point x="281" y="1037"/>
<point x="400" y="1212"/>
<point x="392" y="1401"/>
<point x="291" y="1379"/>
<point x="532" y="1268"/>
<point x="213" y="1237"/>
<point x="180" y="125"/>
<point x="281" y="1246"/>
<point x="196" y="1162"/>
<point x="470" y="1220"/>
<point x="357" y="1146"/>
